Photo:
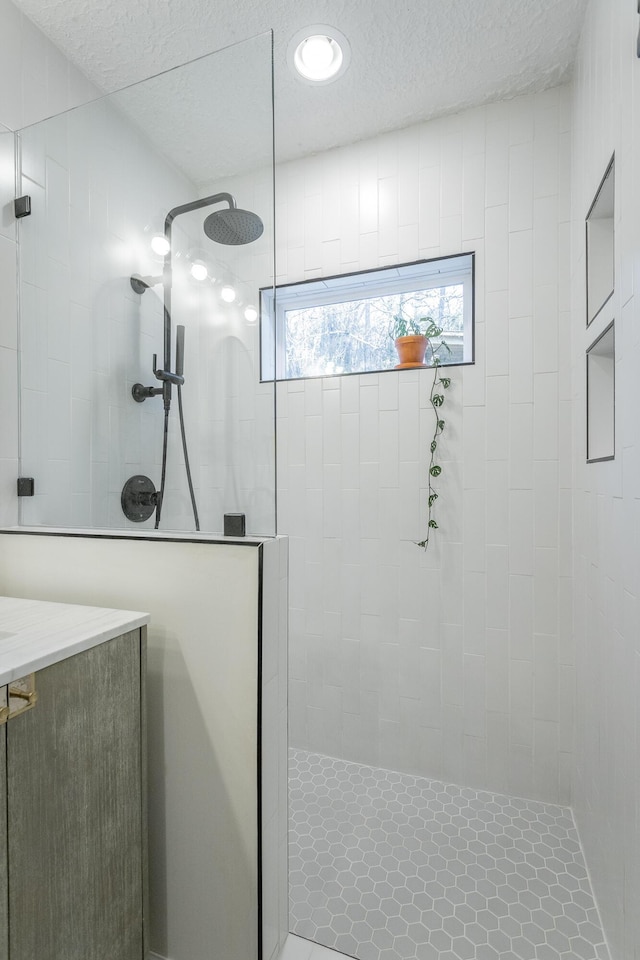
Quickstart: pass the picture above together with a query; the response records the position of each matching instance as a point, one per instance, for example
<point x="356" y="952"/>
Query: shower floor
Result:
<point x="386" y="866"/>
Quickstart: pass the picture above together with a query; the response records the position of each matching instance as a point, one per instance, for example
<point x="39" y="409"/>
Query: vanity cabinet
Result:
<point x="72" y="809"/>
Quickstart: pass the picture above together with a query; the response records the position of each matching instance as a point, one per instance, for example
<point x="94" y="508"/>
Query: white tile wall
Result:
<point x="444" y="663"/>
<point x="87" y="337"/>
<point x="606" y="772"/>
<point x="34" y="79"/>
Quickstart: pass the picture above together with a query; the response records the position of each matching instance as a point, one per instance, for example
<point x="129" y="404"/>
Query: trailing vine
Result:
<point x="403" y="326"/>
<point x="436" y="398"/>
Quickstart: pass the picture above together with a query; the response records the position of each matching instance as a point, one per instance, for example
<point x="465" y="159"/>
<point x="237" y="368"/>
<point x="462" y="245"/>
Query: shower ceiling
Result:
<point x="411" y="60"/>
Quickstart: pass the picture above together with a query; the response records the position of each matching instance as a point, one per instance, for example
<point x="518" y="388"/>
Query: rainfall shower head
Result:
<point x="233" y="226"/>
<point x="229" y="226"/>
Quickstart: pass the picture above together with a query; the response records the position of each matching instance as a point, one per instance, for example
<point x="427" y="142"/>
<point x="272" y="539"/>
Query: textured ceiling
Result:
<point x="411" y="60"/>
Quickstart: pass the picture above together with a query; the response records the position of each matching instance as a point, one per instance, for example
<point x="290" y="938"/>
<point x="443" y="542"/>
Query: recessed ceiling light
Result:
<point x="318" y="54"/>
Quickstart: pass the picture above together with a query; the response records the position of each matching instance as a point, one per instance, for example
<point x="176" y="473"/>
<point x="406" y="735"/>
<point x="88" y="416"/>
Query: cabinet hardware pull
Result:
<point x="22" y="696"/>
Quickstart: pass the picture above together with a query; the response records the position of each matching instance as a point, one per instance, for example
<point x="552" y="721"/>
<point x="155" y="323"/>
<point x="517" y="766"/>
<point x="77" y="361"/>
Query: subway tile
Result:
<point x="496" y="265"/>
<point x="546" y="154"/>
<point x="545" y="242"/>
<point x="521" y="186"/>
<point x="408" y="242"/>
<point x="408" y="185"/>
<point x="521" y="769"/>
<point x="545" y="759"/>
<point x="9" y="303"/>
<point x="453" y="767"/>
<point x="546" y="503"/>
<point x="429" y="207"/>
<point x="7" y="185"/>
<point x="521" y="120"/>
<point x="521" y="274"/>
<point x="521" y="617"/>
<point x="474" y="695"/>
<point x="497" y="418"/>
<point x="545" y="416"/>
<point x="497" y="154"/>
<point x="11" y="67"/>
<point x="521" y="560"/>
<point x="545" y="328"/>
<point x="388" y="217"/>
<point x="497" y="751"/>
<point x="475" y="759"/>
<point x="497" y="502"/>
<point x="58" y="421"/>
<point x="520" y="356"/>
<point x="9" y="511"/>
<point x="521" y="701"/>
<point x="497" y="567"/>
<point x="9" y="403"/>
<point x="474" y="607"/>
<point x="451" y="182"/>
<point x="368" y="202"/>
<point x="546" y="677"/>
<point x="451" y="234"/>
<point x="474" y="530"/>
<point x="545" y="598"/>
<point x="474" y="377"/>
<point x="497" y="672"/>
<point x="521" y="446"/>
<point x="496" y="333"/>
<point x="452" y="664"/>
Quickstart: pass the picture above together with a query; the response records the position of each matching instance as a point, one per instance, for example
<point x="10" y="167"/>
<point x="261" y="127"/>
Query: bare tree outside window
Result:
<point x="353" y="337"/>
<point x="343" y="324"/>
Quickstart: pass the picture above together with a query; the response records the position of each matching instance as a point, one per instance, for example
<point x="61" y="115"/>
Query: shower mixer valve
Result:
<point x="140" y="393"/>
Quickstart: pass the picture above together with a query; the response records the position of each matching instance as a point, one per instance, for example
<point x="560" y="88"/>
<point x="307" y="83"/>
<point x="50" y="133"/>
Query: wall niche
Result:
<point x="600" y="245"/>
<point x="601" y="397"/>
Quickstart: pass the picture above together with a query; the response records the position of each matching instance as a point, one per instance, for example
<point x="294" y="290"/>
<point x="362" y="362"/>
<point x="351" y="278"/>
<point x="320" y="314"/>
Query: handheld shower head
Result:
<point x="233" y="226"/>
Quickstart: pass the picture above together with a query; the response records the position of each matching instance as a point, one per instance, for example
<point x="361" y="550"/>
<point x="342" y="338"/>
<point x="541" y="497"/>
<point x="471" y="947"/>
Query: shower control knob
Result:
<point x="139" y="498"/>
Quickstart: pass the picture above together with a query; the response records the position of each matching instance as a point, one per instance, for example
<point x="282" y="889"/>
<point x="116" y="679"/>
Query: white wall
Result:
<point x="85" y="336"/>
<point x="36" y="80"/>
<point x="210" y="605"/>
<point x="100" y="190"/>
<point x="607" y="509"/>
<point x="456" y="663"/>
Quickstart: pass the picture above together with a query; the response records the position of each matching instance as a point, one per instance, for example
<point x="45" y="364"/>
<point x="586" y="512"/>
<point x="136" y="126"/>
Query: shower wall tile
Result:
<point x="89" y="318"/>
<point x="604" y="558"/>
<point x="36" y="80"/>
<point x="443" y="662"/>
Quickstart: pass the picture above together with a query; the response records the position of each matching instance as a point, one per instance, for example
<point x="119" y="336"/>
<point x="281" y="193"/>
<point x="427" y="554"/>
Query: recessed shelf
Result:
<point x="601" y="397"/>
<point x="600" y="245"/>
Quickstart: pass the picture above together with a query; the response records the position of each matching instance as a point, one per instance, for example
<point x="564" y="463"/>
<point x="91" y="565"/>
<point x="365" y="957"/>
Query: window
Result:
<point x="341" y="325"/>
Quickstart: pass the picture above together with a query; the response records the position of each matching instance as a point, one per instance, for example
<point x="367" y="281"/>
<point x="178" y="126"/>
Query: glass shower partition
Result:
<point x="110" y="320"/>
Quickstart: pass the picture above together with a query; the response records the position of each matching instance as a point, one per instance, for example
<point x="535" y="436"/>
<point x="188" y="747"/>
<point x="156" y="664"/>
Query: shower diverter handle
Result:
<point x="165" y="375"/>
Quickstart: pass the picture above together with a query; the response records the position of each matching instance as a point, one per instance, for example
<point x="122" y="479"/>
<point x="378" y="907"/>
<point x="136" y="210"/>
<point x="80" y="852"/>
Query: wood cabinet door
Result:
<point x="75" y="810"/>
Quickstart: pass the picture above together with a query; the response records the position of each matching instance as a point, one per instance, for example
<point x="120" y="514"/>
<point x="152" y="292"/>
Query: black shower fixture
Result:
<point x="229" y="226"/>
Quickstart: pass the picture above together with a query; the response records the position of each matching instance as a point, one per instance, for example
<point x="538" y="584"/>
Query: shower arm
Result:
<point x="165" y="374"/>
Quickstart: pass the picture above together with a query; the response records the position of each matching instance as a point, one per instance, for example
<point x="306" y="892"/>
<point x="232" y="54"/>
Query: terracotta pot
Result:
<point x="411" y="351"/>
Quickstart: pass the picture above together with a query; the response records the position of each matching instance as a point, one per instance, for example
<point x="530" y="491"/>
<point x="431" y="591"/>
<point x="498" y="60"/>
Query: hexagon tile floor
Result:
<point x="386" y="866"/>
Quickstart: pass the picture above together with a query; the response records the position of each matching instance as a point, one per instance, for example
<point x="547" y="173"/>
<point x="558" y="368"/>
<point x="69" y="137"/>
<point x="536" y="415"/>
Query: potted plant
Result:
<point x="412" y="338"/>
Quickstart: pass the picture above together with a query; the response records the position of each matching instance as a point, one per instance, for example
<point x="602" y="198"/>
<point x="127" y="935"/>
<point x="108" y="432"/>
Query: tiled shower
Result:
<point x="501" y="668"/>
<point x="501" y="664"/>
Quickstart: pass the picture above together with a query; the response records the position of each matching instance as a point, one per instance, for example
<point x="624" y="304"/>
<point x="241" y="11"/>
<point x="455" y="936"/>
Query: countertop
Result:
<point x="35" y="633"/>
